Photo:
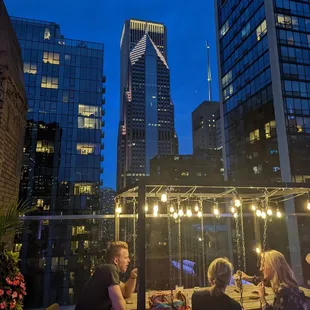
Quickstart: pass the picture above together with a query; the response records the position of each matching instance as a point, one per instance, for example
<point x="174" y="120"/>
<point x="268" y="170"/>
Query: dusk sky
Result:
<point x="189" y="25"/>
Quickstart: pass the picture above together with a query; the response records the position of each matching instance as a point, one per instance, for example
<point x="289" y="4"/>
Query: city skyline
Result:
<point x="187" y="92"/>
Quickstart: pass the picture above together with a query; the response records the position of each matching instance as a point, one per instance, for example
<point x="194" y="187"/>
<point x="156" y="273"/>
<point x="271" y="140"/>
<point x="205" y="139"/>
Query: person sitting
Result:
<point x="104" y="290"/>
<point x="219" y="275"/>
<point x="277" y="271"/>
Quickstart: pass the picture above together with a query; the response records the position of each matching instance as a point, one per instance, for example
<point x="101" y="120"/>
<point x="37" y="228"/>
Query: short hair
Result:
<point x="114" y="249"/>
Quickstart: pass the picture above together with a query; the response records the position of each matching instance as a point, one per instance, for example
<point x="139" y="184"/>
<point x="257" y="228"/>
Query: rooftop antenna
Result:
<point x="209" y="72"/>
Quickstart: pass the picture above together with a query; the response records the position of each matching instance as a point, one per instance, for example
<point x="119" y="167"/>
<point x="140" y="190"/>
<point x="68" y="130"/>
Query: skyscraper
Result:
<point x="263" y="53"/>
<point x="146" y="125"/>
<point x="62" y="161"/>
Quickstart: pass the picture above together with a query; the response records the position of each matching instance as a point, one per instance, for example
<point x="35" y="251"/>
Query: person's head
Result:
<point x="219" y="275"/>
<point x="277" y="270"/>
<point x="117" y="254"/>
<point x="308" y="258"/>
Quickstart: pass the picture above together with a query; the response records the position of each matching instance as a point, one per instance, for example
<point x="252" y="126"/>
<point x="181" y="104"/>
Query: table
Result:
<point x="250" y="300"/>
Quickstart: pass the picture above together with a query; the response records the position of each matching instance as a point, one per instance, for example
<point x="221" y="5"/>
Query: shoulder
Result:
<point x="109" y="268"/>
<point x="200" y="294"/>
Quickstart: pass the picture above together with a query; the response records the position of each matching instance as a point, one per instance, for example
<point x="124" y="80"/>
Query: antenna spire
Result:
<point x="209" y="72"/>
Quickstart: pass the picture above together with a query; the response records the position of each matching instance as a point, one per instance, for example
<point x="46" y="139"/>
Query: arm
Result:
<point x="115" y="294"/>
<point x="129" y="287"/>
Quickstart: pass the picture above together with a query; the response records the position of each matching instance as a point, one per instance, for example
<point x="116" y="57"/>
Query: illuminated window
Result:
<point x="88" y="148"/>
<point x="78" y="230"/>
<point x="30" y="68"/>
<point x="227" y="78"/>
<point x="88" y="110"/>
<point x="17" y="247"/>
<point x="40" y="203"/>
<point x="50" y="57"/>
<point x="224" y="29"/>
<point x="44" y="147"/>
<point x="88" y="123"/>
<point x="74" y="245"/>
<point x="254" y="136"/>
<point x="228" y="91"/>
<point x="184" y="174"/>
<point x="270" y="129"/>
<point x="49" y="82"/>
<point x="83" y="188"/>
<point x="86" y="244"/>
<point x="261" y="30"/>
<point x="45" y="222"/>
<point x="47" y="34"/>
<point x="46" y="207"/>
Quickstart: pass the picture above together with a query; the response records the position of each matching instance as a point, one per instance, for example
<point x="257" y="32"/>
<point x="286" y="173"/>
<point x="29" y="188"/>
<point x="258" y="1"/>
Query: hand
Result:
<point x="134" y="273"/>
<point x="244" y="276"/>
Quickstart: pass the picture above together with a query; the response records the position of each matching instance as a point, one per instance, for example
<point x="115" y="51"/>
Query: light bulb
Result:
<point x="189" y="212"/>
<point x="237" y="203"/>
<point x="235" y="215"/>
<point x="181" y="212"/>
<point x="257" y="250"/>
<point x="199" y="214"/>
<point x="233" y="210"/>
<point x="200" y="239"/>
<point x="146" y="208"/>
<point x="118" y="210"/>
<point x="258" y="213"/>
<point x="269" y="212"/>
<point x="171" y="209"/>
<point x="155" y="213"/>
<point x="308" y="205"/>
<point x="175" y="215"/>
<point x="253" y="208"/>
<point x="155" y="208"/>
<point x="196" y="208"/>
<point x="264" y="215"/>
<point x="164" y="197"/>
<point x="279" y="214"/>
<point x="216" y="211"/>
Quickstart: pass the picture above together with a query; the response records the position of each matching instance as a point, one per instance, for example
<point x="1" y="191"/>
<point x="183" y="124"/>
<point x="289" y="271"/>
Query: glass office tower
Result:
<point x="62" y="161"/>
<point x="146" y="126"/>
<point x="264" y="58"/>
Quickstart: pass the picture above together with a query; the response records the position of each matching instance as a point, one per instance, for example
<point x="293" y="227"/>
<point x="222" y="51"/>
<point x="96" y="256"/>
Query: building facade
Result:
<point x="13" y="110"/>
<point x="263" y="53"/>
<point x="61" y="159"/>
<point x="204" y="129"/>
<point x="146" y="126"/>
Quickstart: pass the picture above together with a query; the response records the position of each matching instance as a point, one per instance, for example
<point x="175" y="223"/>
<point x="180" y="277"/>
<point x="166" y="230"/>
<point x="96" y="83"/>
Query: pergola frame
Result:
<point x="152" y="187"/>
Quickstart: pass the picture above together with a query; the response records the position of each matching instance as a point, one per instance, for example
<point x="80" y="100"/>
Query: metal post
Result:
<point x="116" y="223"/>
<point x="203" y="247"/>
<point x="141" y="240"/>
<point x="180" y="252"/>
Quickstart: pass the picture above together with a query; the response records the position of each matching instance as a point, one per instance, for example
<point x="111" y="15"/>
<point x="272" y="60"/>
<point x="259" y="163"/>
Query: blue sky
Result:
<point x="189" y="23"/>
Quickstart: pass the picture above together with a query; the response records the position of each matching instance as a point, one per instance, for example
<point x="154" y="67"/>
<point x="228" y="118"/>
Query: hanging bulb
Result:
<point x="279" y="214"/>
<point x="237" y="203"/>
<point x="264" y="215"/>
<point x="118" y="210"/>
<point x="232" y="209"/>
<point x="216" y="211"/>
<point x="181" y="212"/>
<point x="253" y="208"/>
<point x="196" y="208"/>
<point x="155" y="209"/>
<point x="171" y="209"/>
<point x="308" y="205"/>
<point x="258" y="250"/>
<point x="164" y="197"/>
<point x="199" y="214"/>
<point x="258" y="213"/>
<point x="175" y="215"/>
<point x="269" y="212"/>
<point x="146" y="208"/>
<point x="189" y="213"/>
<point x="155" y="213"/>
<point x="235" y="215"/>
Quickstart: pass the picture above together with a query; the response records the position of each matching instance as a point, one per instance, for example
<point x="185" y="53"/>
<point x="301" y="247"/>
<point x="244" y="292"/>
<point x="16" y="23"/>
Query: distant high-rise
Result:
<point x="204" y="129"/>
<point x="62" y="159"/>
<point x="146" y="125"/>
<point x="264" y="71"/>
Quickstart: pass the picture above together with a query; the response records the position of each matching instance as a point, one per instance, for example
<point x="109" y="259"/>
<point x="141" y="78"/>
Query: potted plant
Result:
<point x="12" y="284"/>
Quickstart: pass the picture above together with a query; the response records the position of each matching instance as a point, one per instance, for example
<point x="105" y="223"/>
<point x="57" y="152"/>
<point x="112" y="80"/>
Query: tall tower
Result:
<point x="146" y="126"/>
<point x="263" y="53"/>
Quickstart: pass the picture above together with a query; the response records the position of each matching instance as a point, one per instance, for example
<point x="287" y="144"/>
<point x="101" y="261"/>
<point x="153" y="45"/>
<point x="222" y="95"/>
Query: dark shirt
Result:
<point x="95" y="295"/>
<point x="287" y="299"/>
<point x="203" y="301"/>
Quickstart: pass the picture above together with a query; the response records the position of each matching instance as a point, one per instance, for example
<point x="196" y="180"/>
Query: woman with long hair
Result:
<point x="283" y="283"/>
<point x="219" y="275"/>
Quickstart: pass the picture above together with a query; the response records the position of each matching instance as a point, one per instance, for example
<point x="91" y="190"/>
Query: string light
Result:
<point x="118" y="210"/>
<point x="258" y="250"/>
<point x="237" y="202"/>
<point x="164" y="197"/>
<point x="175" y="215"/>
<point x="196" y="208"/>
<point x="155" y="213"/>
<point x="253" y="207"/>
<point x="258" y="213"/>
<point x="155" y="209"/>
<point x="269" y="212"/>
<point x="232" y="209"/>
<point x="199" y="214"/>
<point x="171" y="209"/>
<point x="181" y="212"/>
<point x="308" y="205"/>
<point x="216" y="211"/>
<point x="146" y="208"/>
<point x="279" y="214"/>
<point x="189" y="212"/>
<point x="264" y="215"/>
<point x="235" y="215"/>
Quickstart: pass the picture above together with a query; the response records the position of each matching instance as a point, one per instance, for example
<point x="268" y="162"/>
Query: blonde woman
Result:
<point x="277" y="271"/>
<point x="219" y="275"/>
